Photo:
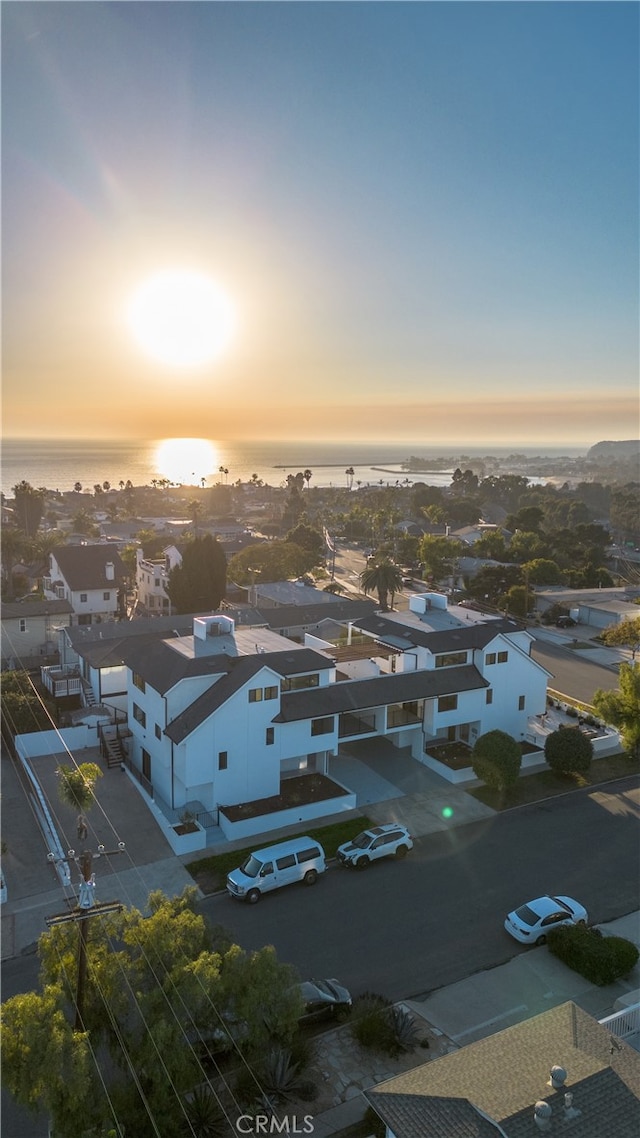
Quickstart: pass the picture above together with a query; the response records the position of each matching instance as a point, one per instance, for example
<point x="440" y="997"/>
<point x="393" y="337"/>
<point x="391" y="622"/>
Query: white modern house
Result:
<point x="91" y="578"/>
<point x="221" y="714"/>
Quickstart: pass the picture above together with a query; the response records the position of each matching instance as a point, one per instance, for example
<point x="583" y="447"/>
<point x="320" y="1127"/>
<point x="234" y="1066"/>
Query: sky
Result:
<point x="422" y="219"/>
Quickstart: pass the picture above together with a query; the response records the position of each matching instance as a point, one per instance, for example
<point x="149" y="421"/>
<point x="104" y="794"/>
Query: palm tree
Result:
<point x="76" y="785"/>
<point x="121" y="484"/>
<point x="106" y="486"/>
<point x="307" y="475"/>
<point x="77" y="486"/>
<point x="349" y="473"/>
<point x="384" y="577"/>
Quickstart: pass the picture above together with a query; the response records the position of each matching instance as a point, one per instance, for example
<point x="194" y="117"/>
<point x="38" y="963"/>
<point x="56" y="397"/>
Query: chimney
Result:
<point x="110" y="571"/>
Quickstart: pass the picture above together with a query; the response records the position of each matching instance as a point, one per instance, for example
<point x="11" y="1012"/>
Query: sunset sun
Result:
<point x="181" y="318"/>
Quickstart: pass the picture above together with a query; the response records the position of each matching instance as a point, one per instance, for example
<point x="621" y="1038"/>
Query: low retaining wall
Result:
<point x="262" y="823"/>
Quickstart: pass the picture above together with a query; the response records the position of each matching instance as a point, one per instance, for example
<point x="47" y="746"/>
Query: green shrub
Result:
<point x="371" y="1023"/>
<point x="568" y="751"/>
<point x="496" y="759"/>
<point x="600" y="959"/>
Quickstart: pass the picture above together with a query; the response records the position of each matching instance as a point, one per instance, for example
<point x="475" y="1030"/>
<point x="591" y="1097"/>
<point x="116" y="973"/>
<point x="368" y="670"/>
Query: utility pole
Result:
<point x="85" y="908"/>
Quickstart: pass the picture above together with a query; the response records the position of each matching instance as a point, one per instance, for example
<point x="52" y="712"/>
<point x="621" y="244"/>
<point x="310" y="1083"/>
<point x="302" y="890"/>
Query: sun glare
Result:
<point x="186" y="461"/>
<point x="181" y="318"/>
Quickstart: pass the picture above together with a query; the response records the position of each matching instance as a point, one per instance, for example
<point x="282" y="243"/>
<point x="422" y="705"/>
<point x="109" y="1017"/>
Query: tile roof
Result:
<point x="84" y="566"/>
<point x="505" y="1074"/>
<point x="359" y="695"/>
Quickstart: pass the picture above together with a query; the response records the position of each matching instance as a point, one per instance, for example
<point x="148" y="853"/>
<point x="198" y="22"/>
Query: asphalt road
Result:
<point x="404" y="929"/>
<point x="572" y="674"/>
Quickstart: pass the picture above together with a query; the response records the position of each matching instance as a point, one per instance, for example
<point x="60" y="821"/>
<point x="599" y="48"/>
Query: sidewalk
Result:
<point x="465" y="1012"/>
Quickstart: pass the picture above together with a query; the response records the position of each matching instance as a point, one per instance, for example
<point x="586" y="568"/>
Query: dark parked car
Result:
<point x="323" y="999"/>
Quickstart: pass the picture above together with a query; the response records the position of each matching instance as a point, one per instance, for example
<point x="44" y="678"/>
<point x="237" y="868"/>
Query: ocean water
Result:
<point x="59" y="463"/>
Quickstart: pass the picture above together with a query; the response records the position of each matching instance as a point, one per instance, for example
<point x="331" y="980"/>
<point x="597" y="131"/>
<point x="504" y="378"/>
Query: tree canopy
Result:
<point x="200" y="583"/>
<point x="621" y="708"/>
<point x="270" y="561"/>
<point x="624" y="634"/>
<point x="568" y="751"/>
<point x="29" y="507"/>
<point x="160" y="990"/>
<point x="497" y="758"/>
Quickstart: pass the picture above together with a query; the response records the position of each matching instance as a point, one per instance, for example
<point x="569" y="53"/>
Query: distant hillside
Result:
<point x="604" y="451"/>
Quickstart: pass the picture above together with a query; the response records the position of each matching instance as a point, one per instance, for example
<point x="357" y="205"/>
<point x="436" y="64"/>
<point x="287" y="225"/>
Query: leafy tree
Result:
<point x="200" y="582"/>
<point x="464" y="482"/>
<point x="437" y="554"/>
<point x="28" y="506"/>
<point x="493" y="582"/>
<point x="384" y="578"/>
<point x="491" y="545"/>
<point x="13" y="546"/>
<point x="496" y="759"/>
<point x="307" y="537"/>
<point x="624" y="514"/>
<point x="568" y="751"/>
<point x="625" y="634"/>
<point x="76" y="785"/>
<point x="82" y="522"/>
<point x="526" y="546"/>
<point x="23" y="709"/>
<point x="621" y="708"/>
<point x="157" y="986"/>
<point x="518" y="600"/>
<point x="542" y="571"/>
<point x="527" y="518"/>
<point x="271" y="561"/>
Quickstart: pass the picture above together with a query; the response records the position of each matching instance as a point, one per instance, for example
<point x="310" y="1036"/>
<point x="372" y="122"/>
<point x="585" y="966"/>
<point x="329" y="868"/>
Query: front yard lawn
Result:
<point x="210" y="873"/>
<point x="546" y="784"/>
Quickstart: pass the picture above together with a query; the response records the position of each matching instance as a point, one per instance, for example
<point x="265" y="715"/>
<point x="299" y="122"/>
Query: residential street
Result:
<point x="404" y="929"/>
<point x="572" y="674"/>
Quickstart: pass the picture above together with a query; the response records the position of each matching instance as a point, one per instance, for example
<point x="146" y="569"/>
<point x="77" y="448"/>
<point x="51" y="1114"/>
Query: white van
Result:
<point x="299" y="859"/>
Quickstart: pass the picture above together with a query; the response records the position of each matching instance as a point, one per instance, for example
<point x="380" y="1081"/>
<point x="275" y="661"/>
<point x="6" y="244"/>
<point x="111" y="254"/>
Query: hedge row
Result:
<point x="600" y="959"/>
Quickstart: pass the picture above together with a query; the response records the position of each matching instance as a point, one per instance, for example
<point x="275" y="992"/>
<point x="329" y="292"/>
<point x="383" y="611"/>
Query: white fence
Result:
<point x="624" y="1023"/>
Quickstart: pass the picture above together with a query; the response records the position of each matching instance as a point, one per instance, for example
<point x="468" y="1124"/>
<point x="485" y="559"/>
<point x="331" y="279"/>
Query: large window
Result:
<point x="294" y="683"/>
<point x="138" y="681"/>
<point x="139" y="715"/>
<point x="271" y="693"/>
<point x="503" y="657"/>
<point x="490" y="658"/>
<point x="451" y="659"/>
<point x="322" y="726"/>
<point x="255" y="695"/>
<point x="447" y="703"/>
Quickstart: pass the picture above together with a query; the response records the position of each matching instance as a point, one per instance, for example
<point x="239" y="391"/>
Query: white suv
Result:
<point x="379" y="841"/>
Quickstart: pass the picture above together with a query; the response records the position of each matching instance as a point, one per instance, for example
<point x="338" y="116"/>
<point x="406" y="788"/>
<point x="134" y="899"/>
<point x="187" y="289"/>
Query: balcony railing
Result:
<point x="61" y="681"/>
<point x="400" y="717"/>
<point x="356" y="725"/>
<point x="623" y="1023"/>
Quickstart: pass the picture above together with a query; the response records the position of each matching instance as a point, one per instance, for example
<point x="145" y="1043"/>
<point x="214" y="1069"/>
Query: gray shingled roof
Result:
<point x="238" y="671"/>
<point x="11" y="609"/>
<point x="293" y="616"/>
<point x="360" y="695"/>
<point x="505" y="1074"/>
<point x="394" y="632"/>
<point x="83" y="566"/>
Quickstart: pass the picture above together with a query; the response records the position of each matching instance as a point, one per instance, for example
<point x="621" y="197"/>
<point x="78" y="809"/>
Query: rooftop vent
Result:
<point x="557" y="1077"/>
<point x="542" y="1115"/>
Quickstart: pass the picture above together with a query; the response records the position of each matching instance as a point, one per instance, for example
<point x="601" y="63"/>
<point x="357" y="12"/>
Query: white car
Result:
<point x="380" y="841"/>
<point x="531" y="922"/>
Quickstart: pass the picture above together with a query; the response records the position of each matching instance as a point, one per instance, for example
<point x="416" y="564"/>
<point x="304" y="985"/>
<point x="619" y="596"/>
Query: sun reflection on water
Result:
<point x="187" y="461"/>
